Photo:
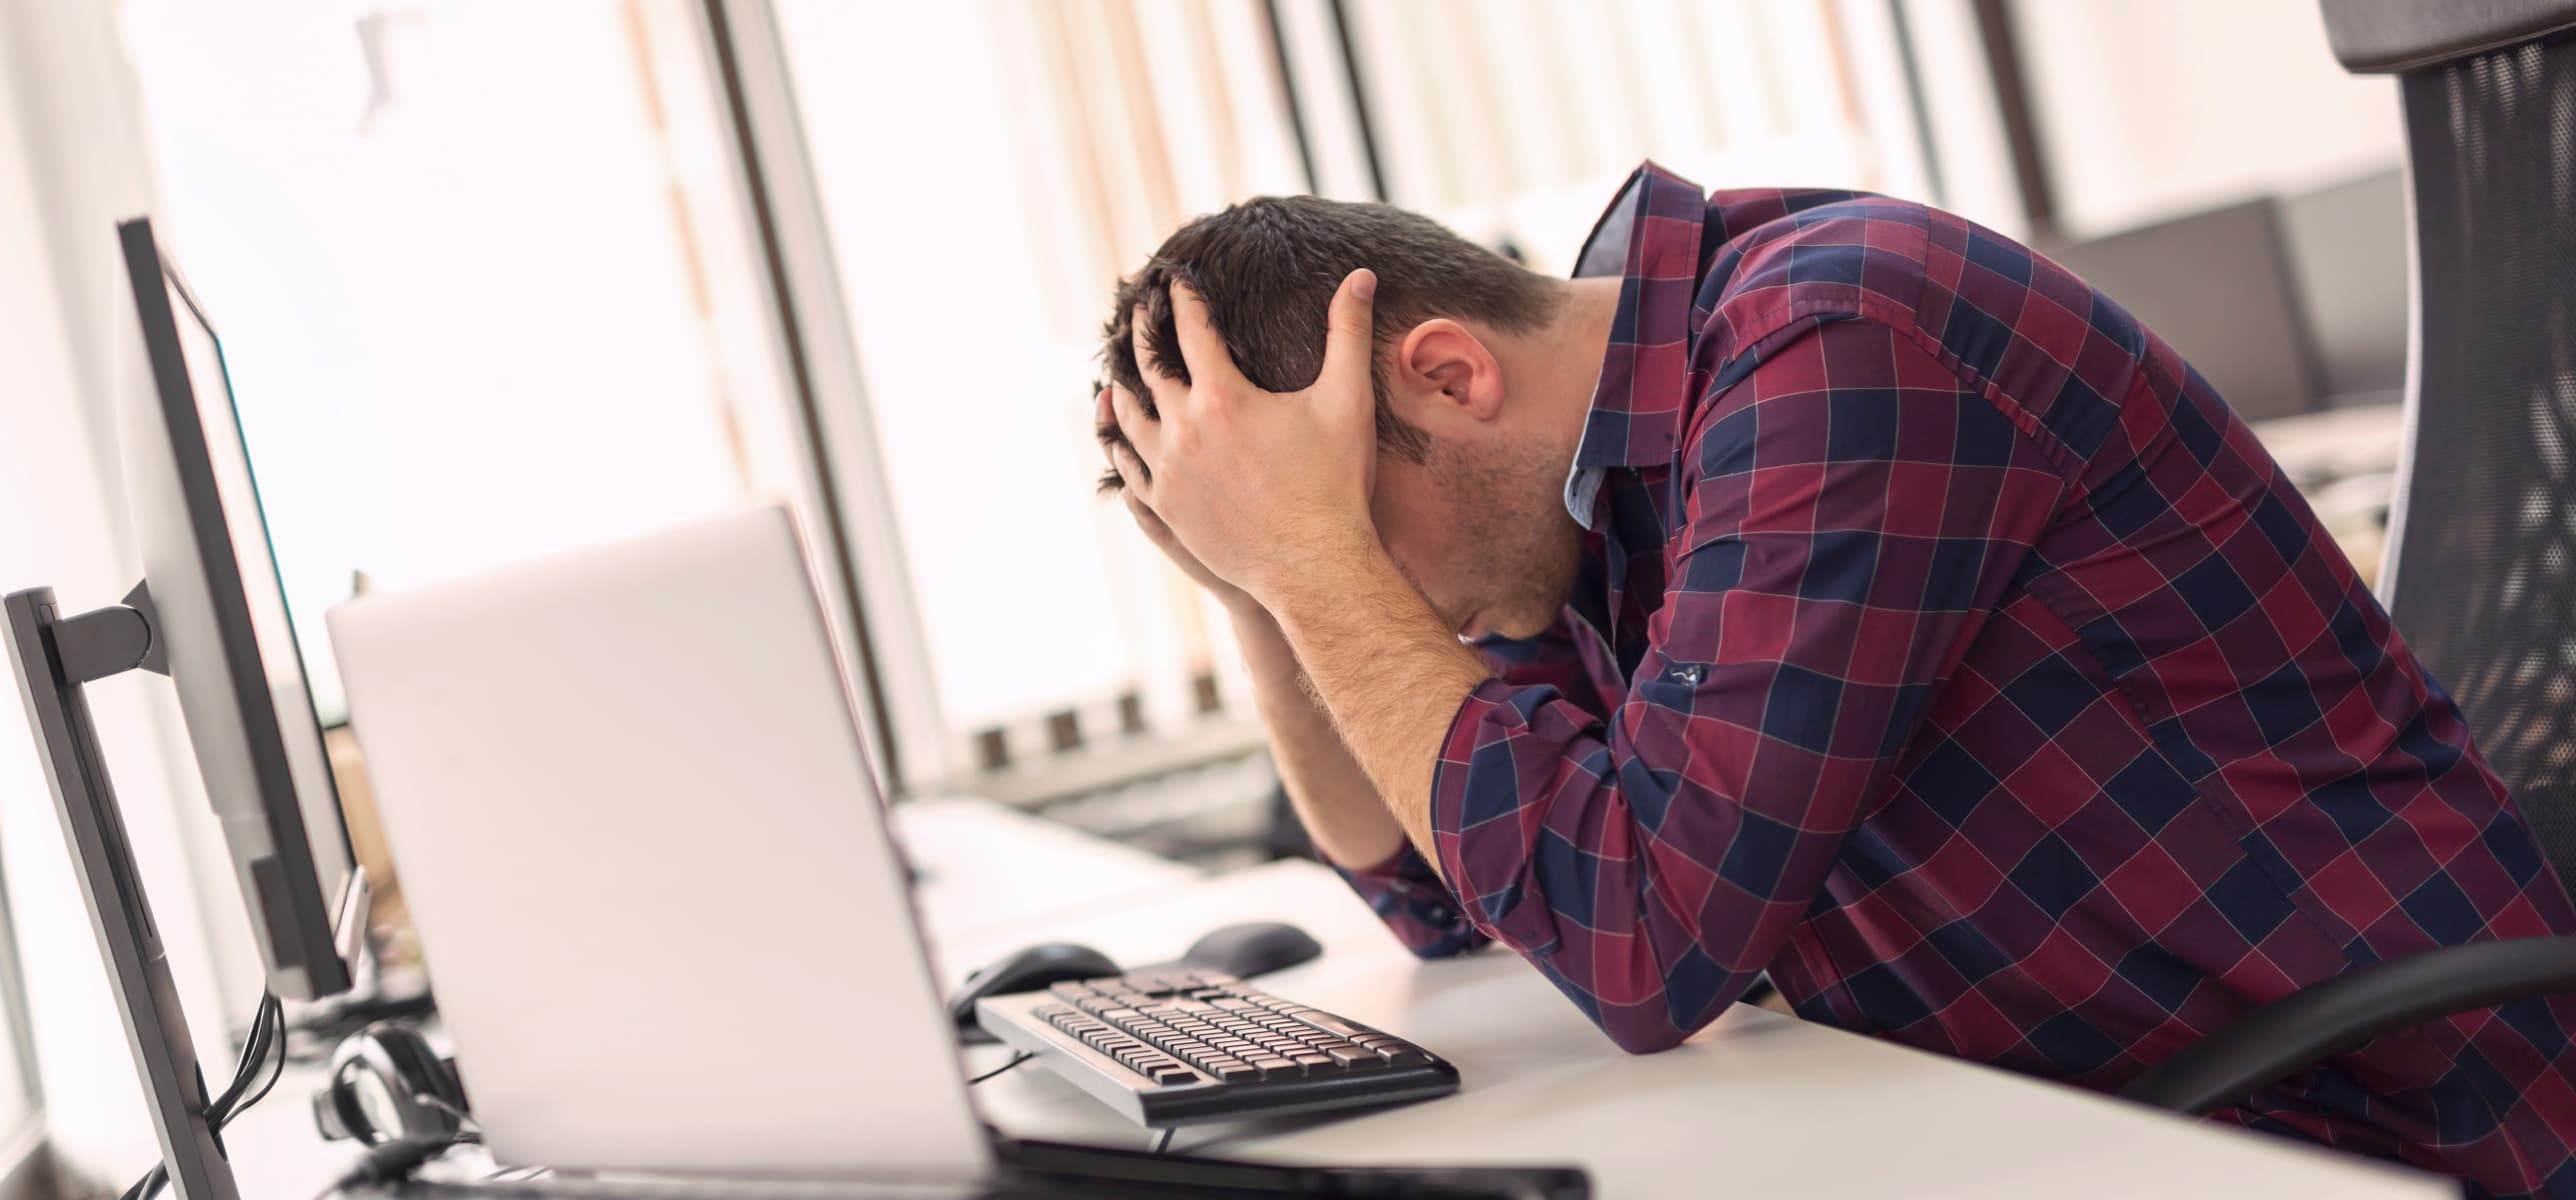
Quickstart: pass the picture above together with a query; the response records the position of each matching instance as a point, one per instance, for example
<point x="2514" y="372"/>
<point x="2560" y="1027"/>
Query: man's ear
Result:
<point x="1446" y="370"/>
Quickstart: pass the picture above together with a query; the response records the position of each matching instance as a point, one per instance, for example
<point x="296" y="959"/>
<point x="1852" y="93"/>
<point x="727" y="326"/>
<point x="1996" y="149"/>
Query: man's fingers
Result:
<point x="1155" y="530"/>
<point x="1132" y="473"/>
<point x="1201" y="348"/>
<point x="1104" y="419"/>
<point x="1350" y="337"/>
<point x="1143" y="434"/>
<point x="1164" y="390"/>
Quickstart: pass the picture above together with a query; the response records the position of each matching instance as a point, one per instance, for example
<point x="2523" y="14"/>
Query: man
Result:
<point x="1856" y="597"/>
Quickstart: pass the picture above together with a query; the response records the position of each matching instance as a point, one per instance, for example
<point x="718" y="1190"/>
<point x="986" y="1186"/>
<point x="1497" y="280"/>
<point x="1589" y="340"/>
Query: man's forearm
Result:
<point x="1391" y="673"/>
<point x="1333" y="797"/>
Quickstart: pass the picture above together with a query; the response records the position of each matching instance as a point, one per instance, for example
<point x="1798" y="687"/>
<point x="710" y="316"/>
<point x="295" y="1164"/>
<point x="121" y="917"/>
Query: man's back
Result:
<point x="2230" y="775"/>
<point x="1922" y="570"/>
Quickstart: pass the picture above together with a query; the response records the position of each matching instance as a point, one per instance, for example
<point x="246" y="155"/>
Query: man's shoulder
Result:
<point x="1983" y="302"/>
<point x="1774" y="256"/>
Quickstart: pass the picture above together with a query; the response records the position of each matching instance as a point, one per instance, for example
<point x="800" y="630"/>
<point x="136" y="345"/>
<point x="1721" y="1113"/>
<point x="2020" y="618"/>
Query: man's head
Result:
<point x="1475" y="425"/>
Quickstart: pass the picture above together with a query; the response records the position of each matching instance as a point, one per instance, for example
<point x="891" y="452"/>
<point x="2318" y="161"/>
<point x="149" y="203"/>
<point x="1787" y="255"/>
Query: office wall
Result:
<point x="2149" y="111"/>
<point x="71" y="162"/>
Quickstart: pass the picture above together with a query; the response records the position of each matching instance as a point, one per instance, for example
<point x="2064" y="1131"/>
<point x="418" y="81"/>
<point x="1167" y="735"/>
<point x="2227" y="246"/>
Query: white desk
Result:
<point x="1758" y="1105"/>
<point x="981" y="866"/>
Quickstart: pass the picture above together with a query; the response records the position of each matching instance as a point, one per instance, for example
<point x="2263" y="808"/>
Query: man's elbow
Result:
<point x="1431" y="944"/>
<point x="1648" y="1036"/>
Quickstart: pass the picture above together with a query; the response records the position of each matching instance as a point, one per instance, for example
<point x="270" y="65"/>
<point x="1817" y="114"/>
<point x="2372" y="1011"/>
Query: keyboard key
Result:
<point x="1313" y="1060"/>
<point x="1356" y="1058"/>
<point x="1403" y="1056"/>
<point x="1334" y="1025"/>
<point x="1235" y="1072"/>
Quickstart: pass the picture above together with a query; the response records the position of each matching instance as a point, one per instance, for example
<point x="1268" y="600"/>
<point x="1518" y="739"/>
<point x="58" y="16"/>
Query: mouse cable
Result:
<point x="1016" y="1059"/>
<point x="267" y="1033"/>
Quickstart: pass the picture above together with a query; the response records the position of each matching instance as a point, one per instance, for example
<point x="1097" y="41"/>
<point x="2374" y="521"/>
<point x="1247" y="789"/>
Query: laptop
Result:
<point x="670" y="933"/>
<point x="648" y="866"/>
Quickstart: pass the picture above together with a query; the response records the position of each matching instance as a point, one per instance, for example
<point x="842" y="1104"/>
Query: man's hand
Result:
<point x="1266" y="490"/>
<point x="1271" y="493"/>
<point x="1160" y="534"/>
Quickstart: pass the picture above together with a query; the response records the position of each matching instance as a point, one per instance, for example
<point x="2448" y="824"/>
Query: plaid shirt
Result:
<point x="1947" y="648"/>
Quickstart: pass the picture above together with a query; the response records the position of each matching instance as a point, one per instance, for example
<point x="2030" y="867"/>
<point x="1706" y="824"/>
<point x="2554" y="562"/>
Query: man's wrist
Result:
<point x="1328" y="564"/>
<point x="1244" y="611"/>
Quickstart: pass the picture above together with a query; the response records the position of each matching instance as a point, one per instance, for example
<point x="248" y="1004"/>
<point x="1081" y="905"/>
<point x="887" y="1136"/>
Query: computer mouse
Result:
<point x="1040" y="966"/>
<point x="1252" y="948"/>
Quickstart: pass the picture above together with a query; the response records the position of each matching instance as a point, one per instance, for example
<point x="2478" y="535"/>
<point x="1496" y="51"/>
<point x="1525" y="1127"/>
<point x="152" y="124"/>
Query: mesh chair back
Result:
<point x="2484" y="573"/>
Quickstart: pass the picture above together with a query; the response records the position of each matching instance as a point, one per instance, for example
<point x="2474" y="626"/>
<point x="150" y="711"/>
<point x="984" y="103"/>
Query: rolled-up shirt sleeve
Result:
<point x="1855" y="509"/>
<point x="1407" y="894"/>
<point x="1404" y="891"/>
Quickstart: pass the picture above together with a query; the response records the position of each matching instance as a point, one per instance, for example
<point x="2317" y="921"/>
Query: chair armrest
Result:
<point x="2307" y="1026"/>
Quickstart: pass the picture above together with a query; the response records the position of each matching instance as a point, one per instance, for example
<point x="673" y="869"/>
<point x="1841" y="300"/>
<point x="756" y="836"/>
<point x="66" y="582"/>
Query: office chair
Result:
<point x="2482" y="581"/>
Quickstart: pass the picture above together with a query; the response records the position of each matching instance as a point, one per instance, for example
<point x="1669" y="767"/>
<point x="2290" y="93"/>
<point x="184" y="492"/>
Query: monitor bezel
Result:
<point x="284" y="887"/>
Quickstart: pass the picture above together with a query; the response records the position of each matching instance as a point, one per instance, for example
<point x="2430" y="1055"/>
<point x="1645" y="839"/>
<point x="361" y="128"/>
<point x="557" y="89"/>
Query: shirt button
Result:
<point x="1439" y="914"/>
<point x="1690" y="674"/>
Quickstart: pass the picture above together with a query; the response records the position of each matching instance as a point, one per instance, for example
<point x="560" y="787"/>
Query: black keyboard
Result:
<point x="1179" y="1047"/>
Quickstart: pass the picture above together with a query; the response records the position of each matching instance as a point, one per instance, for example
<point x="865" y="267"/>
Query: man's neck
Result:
<point x="1558" y="365"/>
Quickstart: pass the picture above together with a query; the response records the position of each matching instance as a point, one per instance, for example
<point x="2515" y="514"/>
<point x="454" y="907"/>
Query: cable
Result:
<point x="267" y="1033"/>
<point x="463" y="1118"/>
<point x="275" y="1073"/>
<point x="1017" y="1059"/>
<point x="1164" y="1142"/>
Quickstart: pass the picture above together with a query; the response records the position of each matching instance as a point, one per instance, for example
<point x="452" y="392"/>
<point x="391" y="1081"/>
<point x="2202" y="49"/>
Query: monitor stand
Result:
<point x="55" y="656"/>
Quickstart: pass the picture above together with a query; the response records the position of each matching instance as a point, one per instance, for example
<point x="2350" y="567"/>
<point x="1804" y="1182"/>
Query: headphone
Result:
<point x="386" y="1085"/>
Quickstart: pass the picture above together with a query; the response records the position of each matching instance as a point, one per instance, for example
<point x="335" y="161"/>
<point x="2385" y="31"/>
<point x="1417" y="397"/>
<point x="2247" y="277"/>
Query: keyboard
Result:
<point x="1181" y="1047"/>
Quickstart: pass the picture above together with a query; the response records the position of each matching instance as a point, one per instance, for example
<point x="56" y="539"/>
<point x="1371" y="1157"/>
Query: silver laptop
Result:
<point x="649" y="865"/>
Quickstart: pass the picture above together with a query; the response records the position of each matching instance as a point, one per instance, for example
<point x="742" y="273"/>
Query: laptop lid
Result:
<point x="630" y="809"/>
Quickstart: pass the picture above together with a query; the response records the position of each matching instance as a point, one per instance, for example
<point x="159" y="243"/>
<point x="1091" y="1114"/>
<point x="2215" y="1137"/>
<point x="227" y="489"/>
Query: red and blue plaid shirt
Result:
<point x="1948" y="649"/>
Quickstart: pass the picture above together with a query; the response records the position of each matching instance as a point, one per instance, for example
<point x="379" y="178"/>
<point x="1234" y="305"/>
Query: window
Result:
<point x="987" y="170"/>
<point x="467" y="259"/>
<point x="485" y="290"/>
<point x="1515" y="120"/>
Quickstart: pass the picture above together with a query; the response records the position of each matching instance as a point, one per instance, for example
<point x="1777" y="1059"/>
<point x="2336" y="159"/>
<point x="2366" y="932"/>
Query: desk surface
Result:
<point x="1759" y="1104"/>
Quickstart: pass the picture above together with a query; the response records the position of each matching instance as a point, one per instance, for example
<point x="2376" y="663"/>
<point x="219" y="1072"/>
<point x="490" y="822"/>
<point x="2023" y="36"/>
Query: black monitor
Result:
<point x="219" y="612"/>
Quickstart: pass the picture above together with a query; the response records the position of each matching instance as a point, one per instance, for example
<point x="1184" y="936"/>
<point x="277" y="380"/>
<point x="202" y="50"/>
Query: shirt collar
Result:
<point x="1650" y="237"/>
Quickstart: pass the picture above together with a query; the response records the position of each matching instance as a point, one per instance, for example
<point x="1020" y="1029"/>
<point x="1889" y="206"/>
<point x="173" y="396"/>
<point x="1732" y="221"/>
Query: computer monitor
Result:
<point x="219" y="611"/>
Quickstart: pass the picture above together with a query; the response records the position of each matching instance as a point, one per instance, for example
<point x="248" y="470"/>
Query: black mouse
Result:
<point x="1250" y="949"/>
<point x="1039" y="966"/>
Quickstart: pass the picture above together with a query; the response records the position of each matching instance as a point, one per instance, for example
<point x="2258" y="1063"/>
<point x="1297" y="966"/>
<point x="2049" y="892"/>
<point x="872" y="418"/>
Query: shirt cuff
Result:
<point x="1407" y="894"/>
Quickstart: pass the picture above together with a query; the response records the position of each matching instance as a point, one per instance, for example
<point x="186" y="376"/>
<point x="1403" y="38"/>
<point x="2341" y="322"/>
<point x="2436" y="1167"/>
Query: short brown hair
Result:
<point x="1268" y="269"/>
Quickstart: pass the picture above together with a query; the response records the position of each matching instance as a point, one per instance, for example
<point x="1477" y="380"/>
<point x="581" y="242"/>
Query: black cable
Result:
<point x="463" y="1118"/>
<point x="275" y="1073"/>
<point x="1164" y="1142"/>
<point x="150" y="1183"/>
<point x="267" y="1033"/>
<point x="1017" y="1059"/>
<point x="264" y="1031"/>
